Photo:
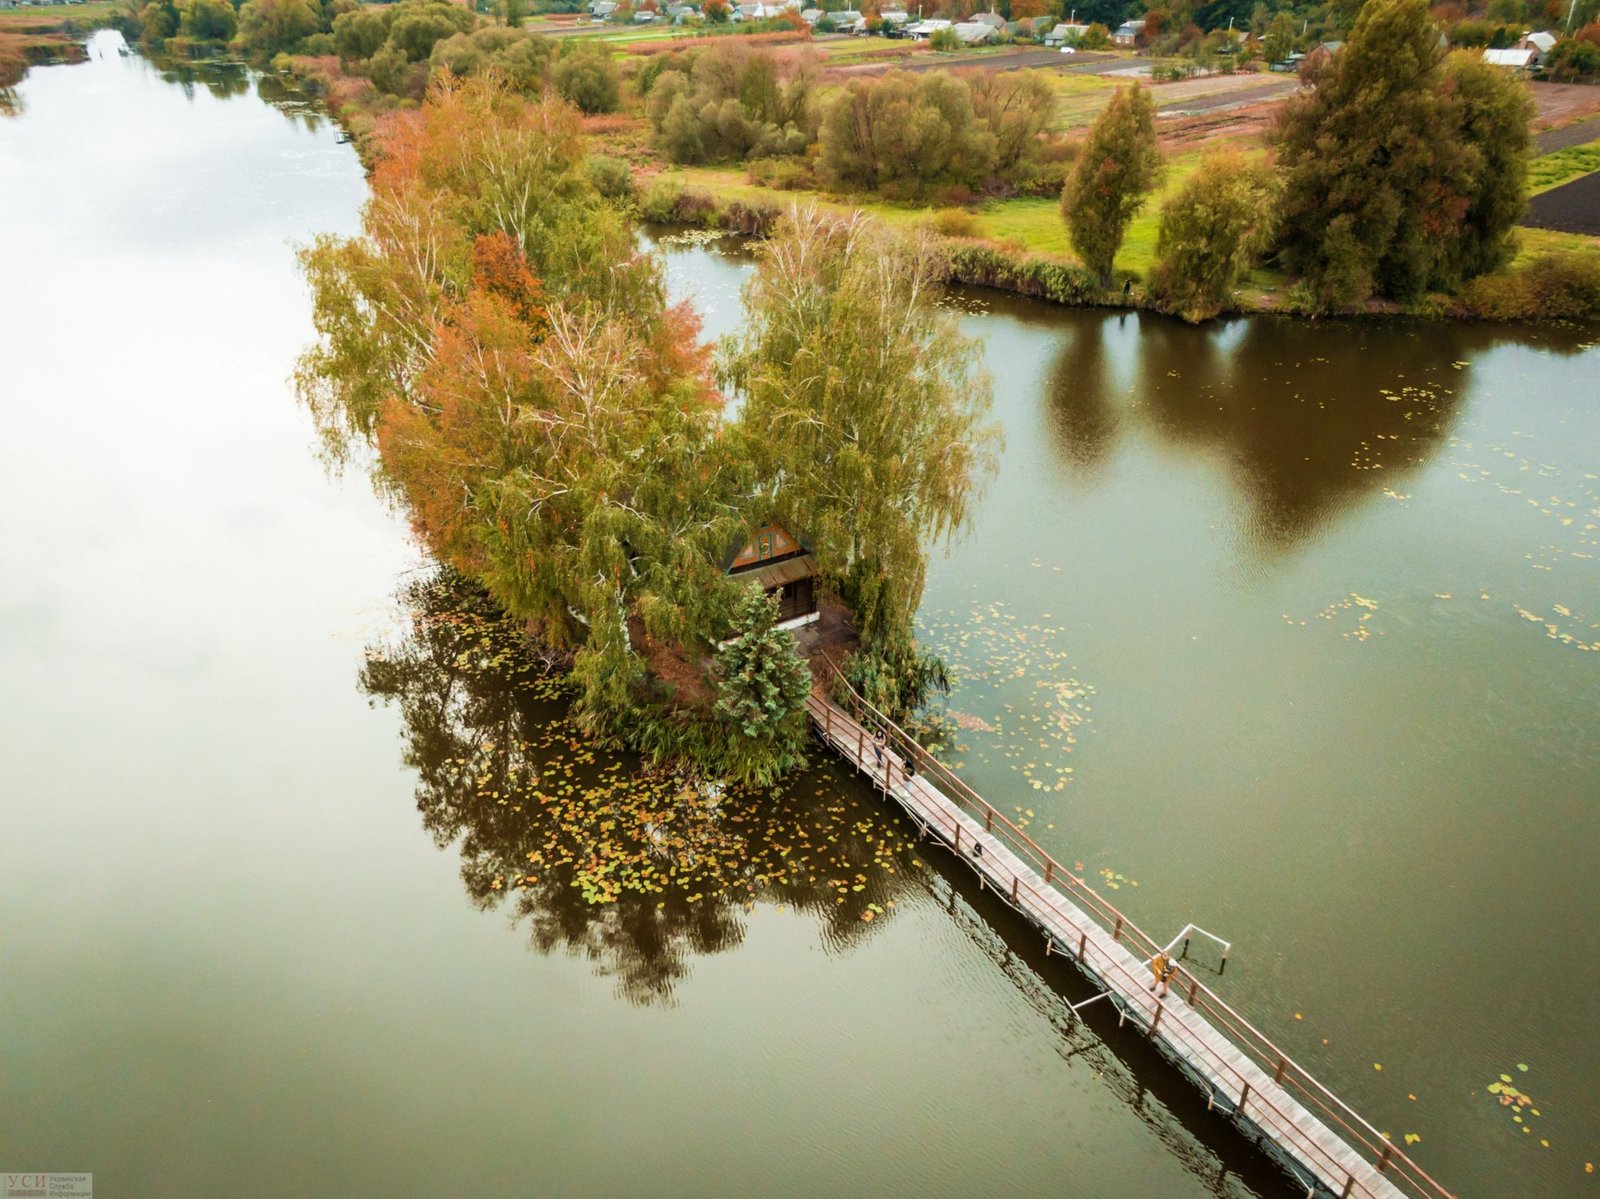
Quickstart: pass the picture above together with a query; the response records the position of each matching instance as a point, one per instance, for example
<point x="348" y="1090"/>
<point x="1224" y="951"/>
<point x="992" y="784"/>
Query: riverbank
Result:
<point x="1017" y="244"/>
<point x="38" y="36"/>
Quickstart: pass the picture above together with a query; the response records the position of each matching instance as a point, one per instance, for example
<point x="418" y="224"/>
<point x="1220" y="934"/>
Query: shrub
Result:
<point x="659" y="204"/>
<point x="588" y="78"/>
<point x="1574" y="59"/>
<point x="954" y="222"/>
<point x="784" y="174"/>
<point x="1096" y="37"/>
<point x="1026" y="274"/>
<point x="729" y="102"/>
<point x="908" y="131"/>
<point x="611" y="176"/>
<point x="745" y="216"/>
<point x="1551" y="287"/>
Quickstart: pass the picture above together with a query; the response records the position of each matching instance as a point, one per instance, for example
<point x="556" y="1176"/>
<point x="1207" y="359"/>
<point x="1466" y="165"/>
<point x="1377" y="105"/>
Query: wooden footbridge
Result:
<point x="1324" y="1145"/>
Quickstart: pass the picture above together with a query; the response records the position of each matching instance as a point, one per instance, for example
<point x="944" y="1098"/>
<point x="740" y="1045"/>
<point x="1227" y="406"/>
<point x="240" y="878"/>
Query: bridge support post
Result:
<point x="1383" y="1162"/>
<point x="1244" y="1097"/>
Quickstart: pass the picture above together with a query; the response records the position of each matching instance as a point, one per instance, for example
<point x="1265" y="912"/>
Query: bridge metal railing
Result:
<point x="1388" y="1159"/>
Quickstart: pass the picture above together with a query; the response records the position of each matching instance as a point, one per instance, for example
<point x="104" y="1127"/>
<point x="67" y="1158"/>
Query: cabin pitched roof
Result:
<point x="766" y="544"/>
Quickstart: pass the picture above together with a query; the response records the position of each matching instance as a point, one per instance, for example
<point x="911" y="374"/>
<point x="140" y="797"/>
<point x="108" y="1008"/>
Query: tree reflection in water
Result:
<point x="639" y="870"/>
<point x="1312" y="418"/>
<point x="223" y="79"/>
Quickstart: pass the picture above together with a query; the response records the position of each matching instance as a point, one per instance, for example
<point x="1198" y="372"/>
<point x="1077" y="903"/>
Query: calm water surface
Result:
<point x="1218" y="630"/>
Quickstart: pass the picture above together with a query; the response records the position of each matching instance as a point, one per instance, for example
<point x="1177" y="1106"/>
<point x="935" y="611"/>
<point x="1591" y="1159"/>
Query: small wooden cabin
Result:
<point x="776" y="561"/>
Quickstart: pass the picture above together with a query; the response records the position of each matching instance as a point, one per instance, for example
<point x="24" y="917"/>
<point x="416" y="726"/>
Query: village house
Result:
<point x="1128" y="33"/>
<point x="759" y="12"/>
<point x="1065" y="33"/>
<point x="1512" y="60"/>
<point x="895" y="23"/>
<point x="923" y="30"/>
<point x="974" y="32"/>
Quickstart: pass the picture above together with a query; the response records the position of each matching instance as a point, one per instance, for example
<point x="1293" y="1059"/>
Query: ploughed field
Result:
<point x="1571" y="208"/>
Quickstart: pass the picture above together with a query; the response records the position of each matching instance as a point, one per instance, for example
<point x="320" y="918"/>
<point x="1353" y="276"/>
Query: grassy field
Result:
<point x="1079" y="98"/>
<point x="41" y="20"/>
<point x="1535" y="243"/>
<point x="1032" y="223"/>
<point x="1552" y="170"/>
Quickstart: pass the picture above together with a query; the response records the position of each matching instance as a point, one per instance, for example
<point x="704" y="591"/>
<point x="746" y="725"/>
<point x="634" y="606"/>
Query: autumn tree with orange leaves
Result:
<point x="542" y="415"/>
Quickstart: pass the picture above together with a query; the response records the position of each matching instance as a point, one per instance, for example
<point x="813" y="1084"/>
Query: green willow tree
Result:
<point x="1214" y="229"/>
<point x="864" y="419"/>
<point x="1403" y="173"/>
<point x="1119" y="165"/>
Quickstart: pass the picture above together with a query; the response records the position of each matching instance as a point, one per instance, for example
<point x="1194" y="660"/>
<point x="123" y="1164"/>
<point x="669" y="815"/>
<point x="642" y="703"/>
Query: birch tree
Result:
<point x="864" y="413"/>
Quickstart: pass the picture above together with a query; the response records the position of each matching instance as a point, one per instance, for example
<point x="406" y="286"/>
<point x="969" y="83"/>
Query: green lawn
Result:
<point x="1037" y="223"/>
<point x="1033" y="223"/>
<point x="1535" y="243"/>
<point x="50" y="17"/>
<point x="1552" y="170"/>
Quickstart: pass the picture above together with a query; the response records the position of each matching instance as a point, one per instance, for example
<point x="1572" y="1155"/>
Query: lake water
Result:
<point x="1286" y="629"/>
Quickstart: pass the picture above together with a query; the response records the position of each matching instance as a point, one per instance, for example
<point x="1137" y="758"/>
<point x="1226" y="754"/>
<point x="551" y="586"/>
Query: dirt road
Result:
<point x="1013" y="61"/>
<point x="1573" y="135"/>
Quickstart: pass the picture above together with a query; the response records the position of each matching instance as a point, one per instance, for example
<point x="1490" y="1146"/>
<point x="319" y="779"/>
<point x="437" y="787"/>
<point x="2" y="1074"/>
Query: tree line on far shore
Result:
<point x="1399" y="173"/>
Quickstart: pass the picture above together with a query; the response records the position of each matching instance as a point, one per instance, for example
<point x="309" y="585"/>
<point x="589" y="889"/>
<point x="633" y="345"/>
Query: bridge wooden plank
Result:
<point x="1187" y="1034"/>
